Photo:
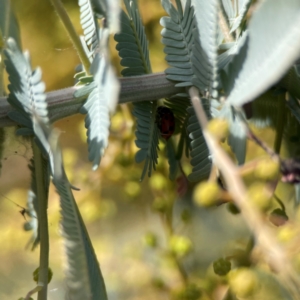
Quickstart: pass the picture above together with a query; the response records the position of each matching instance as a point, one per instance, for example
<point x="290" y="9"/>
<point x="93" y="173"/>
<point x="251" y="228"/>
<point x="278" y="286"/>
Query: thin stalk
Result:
<point x="3" y="37"/>
<point x="167" y="221"/>
<point x="43" y="221"/>
<point x="64" y="17"/>
<point x="279" y="202"/>
<point x="224" y="27"/>
<point x="281" y="121"/>
<point x="262" y="144"/>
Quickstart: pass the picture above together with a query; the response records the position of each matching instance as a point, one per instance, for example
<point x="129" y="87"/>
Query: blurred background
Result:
<point x="121" y="214"/>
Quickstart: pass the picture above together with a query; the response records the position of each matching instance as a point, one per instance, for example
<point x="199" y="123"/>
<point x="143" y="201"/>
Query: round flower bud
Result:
<point x="219" y="128"/>
<point x="158" y="182"/>
<point x="267" y="169"/>
<point x="132" y="189"/>
<point x="189" y="292"/>
<point x="243" y="282"/>
<point x="150" y="239"/>
<point x="160" y="205"/>
<point x="207" y="193"/>
<point x="222" y="266"/>
<point x="180" y="245"/>
<point x="259" y="196"/>
<point x="287" y="233"/>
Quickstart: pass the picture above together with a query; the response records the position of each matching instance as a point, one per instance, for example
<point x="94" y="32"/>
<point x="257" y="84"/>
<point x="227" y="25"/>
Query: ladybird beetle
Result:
<point x="165" y="122"/>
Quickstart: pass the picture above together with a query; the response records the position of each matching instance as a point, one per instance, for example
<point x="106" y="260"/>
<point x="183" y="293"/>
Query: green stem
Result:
<point x="1" y="68"/>
<point x="167" y="220"/>
<point x="43" y="221"/>
<point x="3" y="36"/>
<point x="281" y="120"/>
<point x="72" y="33"/>
<point x="279" y="202"/>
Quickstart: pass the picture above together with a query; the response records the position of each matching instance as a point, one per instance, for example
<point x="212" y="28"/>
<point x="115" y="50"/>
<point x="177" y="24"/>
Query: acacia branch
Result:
<point x="273" y="252"/>
<point x="62" y="103"/>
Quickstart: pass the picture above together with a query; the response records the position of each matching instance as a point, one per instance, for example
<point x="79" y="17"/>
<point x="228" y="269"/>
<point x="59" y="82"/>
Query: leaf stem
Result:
<point x="72" y="33"/>
<point x="3" y="36"/>
<point x="280" y="124"/>
<point x="43" y="221"/>
<point x="167" y="218"/>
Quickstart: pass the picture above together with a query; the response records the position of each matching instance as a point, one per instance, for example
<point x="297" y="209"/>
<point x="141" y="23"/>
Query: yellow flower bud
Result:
<point x="259" y="196"/>
<point x="132" y="189"/>
<point x="180" y="245"/>
<point x="219" y="128"/>
<point x="207" y="193"/>
<point x="243" y="282"/>
<point x="267" y="169"/>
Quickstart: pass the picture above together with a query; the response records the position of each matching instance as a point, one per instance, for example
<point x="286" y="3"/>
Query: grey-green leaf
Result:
<point x="84" y="278"/>
<point x="133" y="50"/>
<point x="201" y="160"/>
<point x="89" y="24"/>
<point x="274" y="45"/>
<point x="204" y="58"/>
<point x="178" y="40"/>
<point x="100" y="103"/>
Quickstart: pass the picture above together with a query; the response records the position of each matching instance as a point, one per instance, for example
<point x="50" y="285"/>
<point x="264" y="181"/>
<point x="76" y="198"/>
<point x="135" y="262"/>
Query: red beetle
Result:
<point x="165" y="122"/>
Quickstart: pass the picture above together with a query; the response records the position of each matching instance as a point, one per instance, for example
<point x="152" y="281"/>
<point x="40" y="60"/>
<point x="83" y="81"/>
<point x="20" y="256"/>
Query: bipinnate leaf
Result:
<point x="273" y="46"/>
<point x="178" y="40"/>
<point x="9" y="26"/>
<point x="89" y="25"/>
<point x="243" y="6"/>
<point x="237" y="138"/>
<point x="236" y="11"/>
<point x="26" y="86"/>
<point x="179" y="106"/>
<point x="83" y="275"/>
<point x="200" y="155"/>
<point x="110" y="10"/>
<point x="100" y="103"/>
<point x="226" y="57"/>
<point x="133" y="49"/>
<point x="204" y="58"/>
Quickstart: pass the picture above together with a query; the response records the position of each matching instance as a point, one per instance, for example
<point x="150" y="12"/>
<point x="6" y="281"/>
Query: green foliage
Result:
<point x="178" y="36"/>
<point x="133" y="50"/>
<point x="98" y="106"/>
<point x="89" y="25"/>
<point x="204" y="59"/>
<point x="236" y="12"/>
<point x="26" y="88"/>
<point x="237" y="139"/>
<point x="9" y="26"/>
<point x="209" y="45"/>
<point x="200" y="156"/>
<point x="273" y="29"/>
<point x="179" y="106"/>
<point x="84" y="278"/>
<point x="26" y="95"/>
<point x="178" y="40"/>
